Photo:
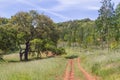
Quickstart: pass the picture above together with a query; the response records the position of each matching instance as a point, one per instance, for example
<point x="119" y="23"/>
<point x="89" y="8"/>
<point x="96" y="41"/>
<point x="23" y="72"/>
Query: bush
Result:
<point x="60" y="51"/>
<point x="47" y="45"/>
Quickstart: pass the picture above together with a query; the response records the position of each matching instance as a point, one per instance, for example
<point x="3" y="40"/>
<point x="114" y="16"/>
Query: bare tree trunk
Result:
<point x="21" y="54"/>
<point x="26" y="50"/>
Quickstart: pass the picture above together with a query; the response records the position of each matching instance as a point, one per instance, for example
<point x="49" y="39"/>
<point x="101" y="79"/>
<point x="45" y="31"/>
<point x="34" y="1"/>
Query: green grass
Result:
<point x="78" y="74"/>
<point x="102" y="63"/>
<point x="44" y="69"/>
<point x="95" y="61"/>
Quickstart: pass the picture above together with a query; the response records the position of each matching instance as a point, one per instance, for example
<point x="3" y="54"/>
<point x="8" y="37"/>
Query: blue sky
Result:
<point x="57" y="10"/>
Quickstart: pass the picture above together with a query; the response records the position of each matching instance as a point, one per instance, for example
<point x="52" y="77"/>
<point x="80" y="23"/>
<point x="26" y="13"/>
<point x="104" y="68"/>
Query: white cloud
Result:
<point x="67" y="4"/>
<point x="43" y="9"/>
<point x="93" y="8"/>
<point x="62" y="6"/>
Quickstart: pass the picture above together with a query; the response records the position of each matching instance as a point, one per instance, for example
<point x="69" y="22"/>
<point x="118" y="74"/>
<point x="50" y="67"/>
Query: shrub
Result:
<point x="60" y="51"/>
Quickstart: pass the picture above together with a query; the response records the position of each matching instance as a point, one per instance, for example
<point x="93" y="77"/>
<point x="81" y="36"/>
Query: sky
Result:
<point x="57" y="10"/>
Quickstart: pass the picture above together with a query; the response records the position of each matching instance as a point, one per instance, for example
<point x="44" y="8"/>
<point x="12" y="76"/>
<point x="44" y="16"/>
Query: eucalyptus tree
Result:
<point x="104" y="21"/>
<point x="77" y="31"/>
<point x="117" y="20"/>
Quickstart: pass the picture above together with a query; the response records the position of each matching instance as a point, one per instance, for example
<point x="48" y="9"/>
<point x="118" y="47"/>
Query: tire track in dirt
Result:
<point x="71" y="76"/>
<point x="69" y="72"/>
<point x="66" y="75"/>
<point x="86" y="74"/>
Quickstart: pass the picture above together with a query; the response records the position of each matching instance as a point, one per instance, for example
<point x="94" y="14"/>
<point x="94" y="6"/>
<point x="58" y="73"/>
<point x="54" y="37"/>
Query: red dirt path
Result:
<point x="86" y="74"/>
<point x="69" y="72"/>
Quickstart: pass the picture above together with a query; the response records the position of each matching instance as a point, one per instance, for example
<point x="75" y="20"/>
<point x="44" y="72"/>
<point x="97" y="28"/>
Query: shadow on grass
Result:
<point x="39" y="58"/>
<point x="2" y="60"/>
<point x="71" y="57"/>
<point x="32" y="59"/>
<point x="13" y="61"/>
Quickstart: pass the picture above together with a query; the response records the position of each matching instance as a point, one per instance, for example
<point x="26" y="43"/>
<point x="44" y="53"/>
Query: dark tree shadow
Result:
<point x="71" y="57"/>
<point x="33" y="59"/>
<point x="13" y="61"/>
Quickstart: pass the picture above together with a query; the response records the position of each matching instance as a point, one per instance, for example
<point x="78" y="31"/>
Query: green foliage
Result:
<point x="95" y="68"/>
<point x="50" y="46"/>
<point x="46" y="45"/>
<point x="98" y="62"/>
<point x="3" y="21"/>
<point x="114" y="45"/>
<point x="105" y="22"/>
<point x="36" y="43"/>
<point x="117" y="21"/>
<point x="77" y="31"/>
<point x="34" y="28"/>
<point x="60" y="51"/>
<point x="106" y="72"/>
<point x="101" y="32"/>
<point x="21" y="36"/>
<point x="7" y="40"/>
<point x="43" y="34"/>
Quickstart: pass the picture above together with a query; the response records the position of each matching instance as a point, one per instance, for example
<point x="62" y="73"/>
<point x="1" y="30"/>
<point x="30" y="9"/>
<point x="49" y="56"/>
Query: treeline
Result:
<point x="29" y="32"/>
<point x="102" y="32"/>
<point x="79" y="32"/>
<point x="38" y="33"/>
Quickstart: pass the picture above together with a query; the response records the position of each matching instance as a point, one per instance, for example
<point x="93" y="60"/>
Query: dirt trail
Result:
<point x="86" y="74"/>
<point x="69" y="72"/>
<point x="66" y="75"/>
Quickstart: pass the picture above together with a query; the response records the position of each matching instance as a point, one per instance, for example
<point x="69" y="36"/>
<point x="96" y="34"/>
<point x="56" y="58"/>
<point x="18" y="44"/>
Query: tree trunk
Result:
<point x="26" y="50"/>
<point x="21" y="54"/>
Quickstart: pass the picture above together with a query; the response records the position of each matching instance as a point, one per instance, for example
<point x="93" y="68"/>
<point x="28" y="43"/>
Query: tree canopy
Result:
<point x="39" y="33"/>
<point x="27" y="28"/>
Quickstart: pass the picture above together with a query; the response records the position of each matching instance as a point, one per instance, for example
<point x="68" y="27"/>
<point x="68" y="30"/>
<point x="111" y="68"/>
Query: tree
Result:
<point x="7" y="37"/>
<point x="7" y="40"/>
<point x="36" y="46"/>
<point x="46" y="29"/>
<point x="23" y="21"/>
<point x="117" y="20"/>
<point x="32" y="25"/>
<point x="3" y="21"/>
<point x="104" y="21"/>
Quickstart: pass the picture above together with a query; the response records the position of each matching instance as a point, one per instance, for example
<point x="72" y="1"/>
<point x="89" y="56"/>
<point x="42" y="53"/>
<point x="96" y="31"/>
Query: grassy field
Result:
<point x="44" y="69"/>
<point x="98" y="62"/>
<point x="104" y="64"/>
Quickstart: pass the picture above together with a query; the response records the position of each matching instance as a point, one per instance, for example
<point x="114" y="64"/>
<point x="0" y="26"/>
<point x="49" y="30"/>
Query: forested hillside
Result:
<point x="34" y="47"/>
<point x="80" y="32"/>
<point x="38" y="33"/>
<point x="104" y="32"/>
